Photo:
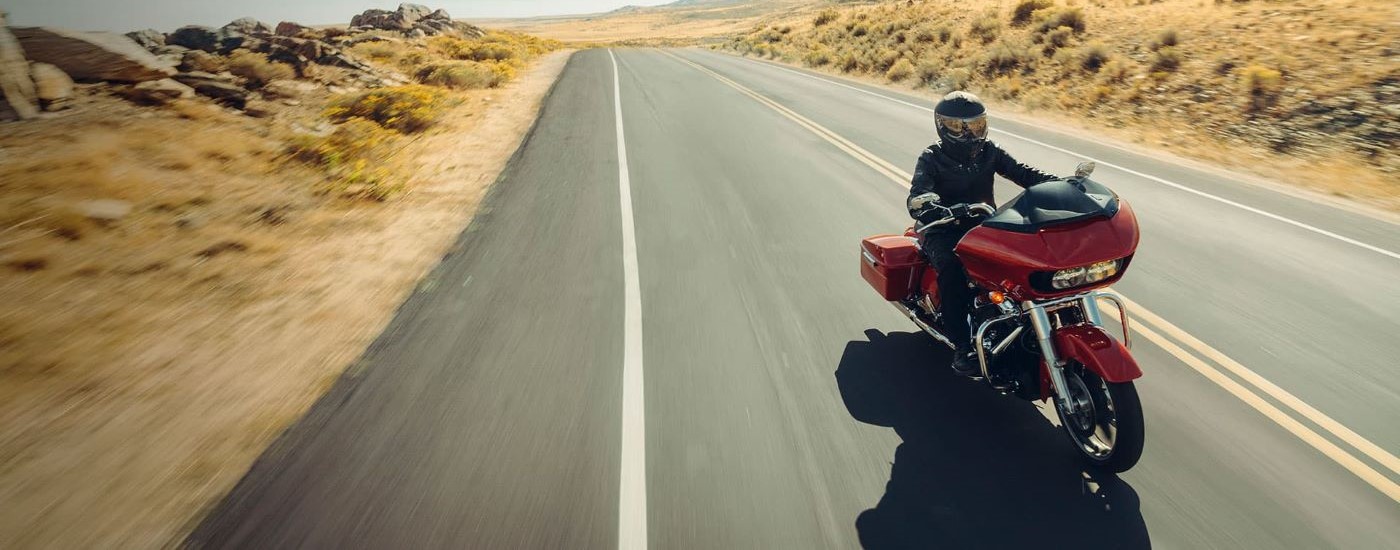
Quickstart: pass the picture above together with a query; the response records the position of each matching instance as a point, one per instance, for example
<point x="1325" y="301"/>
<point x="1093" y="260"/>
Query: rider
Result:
<point x="959" y="170"/>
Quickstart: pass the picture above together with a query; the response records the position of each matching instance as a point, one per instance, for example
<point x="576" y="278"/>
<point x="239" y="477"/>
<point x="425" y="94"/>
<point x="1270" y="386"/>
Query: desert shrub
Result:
<point x="884" y="59"/>
<point x="408" y="109"/>
<point x="848" y="63"/>
<point x="1065" y="17"/>
<point x="1021" y="14"/>
<point x="826" y="16"/>
<point x="1004" y="57"/>
<point x="1058" y="38"/>
<point x="334" y="32"/>
<point x="460" y="75"/>
<point x="957" y="78"/>
<point x="1165" y="39"/>
<point x="354" y="156"/>
<point x="477" y="50"/>
<point x="925" y="35"/>
<point x="1093" y="56"/>
<point x="385" y="52"/>
<point x="257" y="69"/>
<point x="1114" y="71"/>
<point x="901" y="70"/>
<point x="985" y="29"/>
<point x="818" y="57"/>
<point x="945" y="34"/>
<point x="928" y="71"/>
<point x="197" y="60"/>
<point x="860" y="30"/>
<point x="1166" y="60"/>
<point x="1262" y="86"/>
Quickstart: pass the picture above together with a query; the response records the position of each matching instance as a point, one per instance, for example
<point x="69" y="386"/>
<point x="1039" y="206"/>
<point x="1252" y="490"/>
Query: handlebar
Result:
<point x="953" y="213"/>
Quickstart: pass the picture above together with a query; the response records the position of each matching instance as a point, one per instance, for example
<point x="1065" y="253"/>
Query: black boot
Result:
<point x="965" y="363"/>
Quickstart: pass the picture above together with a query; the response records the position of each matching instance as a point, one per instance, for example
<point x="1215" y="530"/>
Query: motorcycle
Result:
<point x="1039" y="266"/>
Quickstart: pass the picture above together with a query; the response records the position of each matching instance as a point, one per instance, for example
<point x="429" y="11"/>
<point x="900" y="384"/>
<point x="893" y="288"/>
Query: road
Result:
<point x="776" y="402"/>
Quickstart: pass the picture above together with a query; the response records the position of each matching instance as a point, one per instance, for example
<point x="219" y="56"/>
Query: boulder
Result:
<point x="401" y="19"/>
<point x="440" y="15"/>
<point x="91" y="56"/>
<point x="288" y="88"/>
<point x="195" y="37"/>
<point x="158" y="92"/>
<point x="247" y="25"/>
<point x="258" y="109"/>
<point x="17" y="97"/>
<point x="52" y="86"/>
<point x="147" y="38"/>
<point x="413" y="12"/>
<point x="219" y="88"/>
<point x="288" y="28"/>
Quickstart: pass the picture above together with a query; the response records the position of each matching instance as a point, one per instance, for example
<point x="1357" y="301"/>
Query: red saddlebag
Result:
<point x="891" y="264"/>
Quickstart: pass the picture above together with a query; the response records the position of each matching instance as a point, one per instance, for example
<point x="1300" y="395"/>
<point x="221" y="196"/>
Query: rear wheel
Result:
<point x="1106" y="423"/>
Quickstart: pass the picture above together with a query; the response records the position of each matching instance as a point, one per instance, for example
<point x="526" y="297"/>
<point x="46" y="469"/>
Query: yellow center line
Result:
<point x="1326" y="447"/>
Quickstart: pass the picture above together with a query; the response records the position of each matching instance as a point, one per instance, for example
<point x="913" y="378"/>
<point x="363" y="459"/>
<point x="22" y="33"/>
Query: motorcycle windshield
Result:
<point x="1053" y="203"/>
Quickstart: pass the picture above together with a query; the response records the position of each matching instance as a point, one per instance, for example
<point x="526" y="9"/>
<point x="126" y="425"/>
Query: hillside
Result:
<point x="1305" y="91"/>
<point x="684" y="21"/>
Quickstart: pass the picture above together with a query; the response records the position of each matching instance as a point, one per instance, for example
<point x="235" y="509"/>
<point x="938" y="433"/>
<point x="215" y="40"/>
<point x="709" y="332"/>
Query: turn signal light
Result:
<point x="996" y="297"/>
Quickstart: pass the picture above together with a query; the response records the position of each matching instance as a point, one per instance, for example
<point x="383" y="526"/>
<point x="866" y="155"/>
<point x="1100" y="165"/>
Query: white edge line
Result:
<point x="1247" y="208"/>
<point x="632" y="491"/>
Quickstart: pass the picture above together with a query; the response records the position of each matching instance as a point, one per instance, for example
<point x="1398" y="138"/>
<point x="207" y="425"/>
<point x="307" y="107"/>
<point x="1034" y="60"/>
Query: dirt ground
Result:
<point x="148" y="357"/>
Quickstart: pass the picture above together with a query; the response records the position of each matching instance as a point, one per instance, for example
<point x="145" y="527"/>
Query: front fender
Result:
<point x="1099" y="352"/>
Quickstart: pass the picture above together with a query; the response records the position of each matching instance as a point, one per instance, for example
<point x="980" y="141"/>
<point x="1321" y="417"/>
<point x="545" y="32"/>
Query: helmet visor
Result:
<point x="965" y="128"/>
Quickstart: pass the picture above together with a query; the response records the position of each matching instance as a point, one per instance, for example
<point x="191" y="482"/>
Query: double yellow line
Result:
<point x="1206" y="360"/>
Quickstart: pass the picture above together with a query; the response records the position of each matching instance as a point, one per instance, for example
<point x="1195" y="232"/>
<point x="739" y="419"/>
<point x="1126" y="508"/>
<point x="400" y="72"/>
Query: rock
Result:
<point x="440" y="15"/>
<point x="258" y="109"/>
<point x="169" y="49"/>
<point x="52" y="86"/>
<point x="200" y="60"/>
<point x="219" y="88"/>
<point x="17" y="96"/>
<point x="91" y="56"/>
<point x="416" y="32"/>
<point x="401" y="19"/>
<point x="147" y="38"/>
<point x="288" y="28"/>
<point x="413" y="12"/>
<point x="288" y="88"/>
<point x="247" y="25"/>
<point x="195" y="37"/>
<point x="158" y="92"/>
<point x="105" y="210"/>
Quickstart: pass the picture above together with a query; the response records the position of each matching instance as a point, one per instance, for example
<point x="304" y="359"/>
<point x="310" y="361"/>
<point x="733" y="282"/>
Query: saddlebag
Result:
<point x="891" y="264"/>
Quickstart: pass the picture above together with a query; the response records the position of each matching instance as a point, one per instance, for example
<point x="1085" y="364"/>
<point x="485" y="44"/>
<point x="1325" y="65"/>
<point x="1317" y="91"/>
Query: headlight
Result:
<point x="1080" y="276"/>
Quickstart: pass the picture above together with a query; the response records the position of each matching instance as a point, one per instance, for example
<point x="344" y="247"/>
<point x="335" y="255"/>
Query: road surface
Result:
<point x="773" y="401"/>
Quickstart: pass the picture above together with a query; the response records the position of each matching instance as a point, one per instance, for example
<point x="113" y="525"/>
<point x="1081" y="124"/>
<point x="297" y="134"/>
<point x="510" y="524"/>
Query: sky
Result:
<point x="167" y="15"/>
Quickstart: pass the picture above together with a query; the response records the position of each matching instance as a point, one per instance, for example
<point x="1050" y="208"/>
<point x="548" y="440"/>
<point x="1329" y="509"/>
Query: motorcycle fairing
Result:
<point x="1098" y="351"/>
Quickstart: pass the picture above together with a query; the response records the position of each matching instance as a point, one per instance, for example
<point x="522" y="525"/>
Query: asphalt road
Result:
<point x="786" y="405"/>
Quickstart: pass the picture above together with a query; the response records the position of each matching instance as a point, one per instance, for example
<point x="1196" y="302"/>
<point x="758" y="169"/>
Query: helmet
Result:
<point x="961" y="120"/>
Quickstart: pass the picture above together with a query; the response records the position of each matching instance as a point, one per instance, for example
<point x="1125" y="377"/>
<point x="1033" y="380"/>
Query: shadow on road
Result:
<point x="976" y="469"/>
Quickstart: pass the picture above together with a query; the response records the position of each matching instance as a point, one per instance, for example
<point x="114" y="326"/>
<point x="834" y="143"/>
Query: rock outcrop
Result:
<point x="209" y="39"/>
<point x="247" y="25"/>
<point x="52" y="86"/>
<point x="288" y="28"/>
<point x="17" y="97"/>
<point x="158" y="92"/>
<point x="91" y="56"/>
<point x="413" y="17"/>
<point x="148" y="38"/>
<point x="221" y="89"/>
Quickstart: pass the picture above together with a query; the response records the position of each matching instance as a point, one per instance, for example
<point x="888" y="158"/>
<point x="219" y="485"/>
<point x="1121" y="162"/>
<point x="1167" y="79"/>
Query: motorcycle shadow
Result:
<point x="976" y="469"/>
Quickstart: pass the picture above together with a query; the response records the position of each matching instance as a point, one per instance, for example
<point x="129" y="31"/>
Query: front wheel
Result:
<point x="1106" y="424"/>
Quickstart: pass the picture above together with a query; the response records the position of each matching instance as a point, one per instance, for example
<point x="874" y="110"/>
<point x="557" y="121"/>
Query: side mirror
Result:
<point x="920" y="202"/>
<point x="1084" y="169"/>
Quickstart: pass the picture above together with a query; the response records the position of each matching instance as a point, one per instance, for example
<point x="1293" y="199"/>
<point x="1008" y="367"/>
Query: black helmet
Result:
<point x="961" y="120"/>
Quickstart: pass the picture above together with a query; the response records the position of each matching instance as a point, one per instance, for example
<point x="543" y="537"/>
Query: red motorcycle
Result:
<point x="1038" y="265"/>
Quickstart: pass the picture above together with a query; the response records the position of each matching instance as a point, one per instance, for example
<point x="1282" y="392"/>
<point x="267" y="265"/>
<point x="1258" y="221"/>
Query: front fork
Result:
<point x="1045" y="331"/>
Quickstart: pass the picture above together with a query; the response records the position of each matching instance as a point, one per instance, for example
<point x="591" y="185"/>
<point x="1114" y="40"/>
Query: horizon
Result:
<point x="168" y="15"/>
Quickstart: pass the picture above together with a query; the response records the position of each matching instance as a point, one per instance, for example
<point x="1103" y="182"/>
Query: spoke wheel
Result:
<point x="1105" y="421"/>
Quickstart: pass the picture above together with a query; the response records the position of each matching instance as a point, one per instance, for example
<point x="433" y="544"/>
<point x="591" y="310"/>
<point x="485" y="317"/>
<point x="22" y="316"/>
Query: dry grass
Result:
<point x="257" y="70"/>
<point x="147" y="359"/>
<point x="408" y="109"/>
<point x="1267" y="83"/>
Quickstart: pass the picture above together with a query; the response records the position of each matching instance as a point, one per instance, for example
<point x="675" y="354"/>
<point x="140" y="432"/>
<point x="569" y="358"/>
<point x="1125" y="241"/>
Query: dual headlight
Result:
<point x="1087" y="275"/>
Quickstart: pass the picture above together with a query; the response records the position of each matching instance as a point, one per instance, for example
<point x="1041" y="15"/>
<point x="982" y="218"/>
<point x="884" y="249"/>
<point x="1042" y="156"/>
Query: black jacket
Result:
<point x="969" y="182"/>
